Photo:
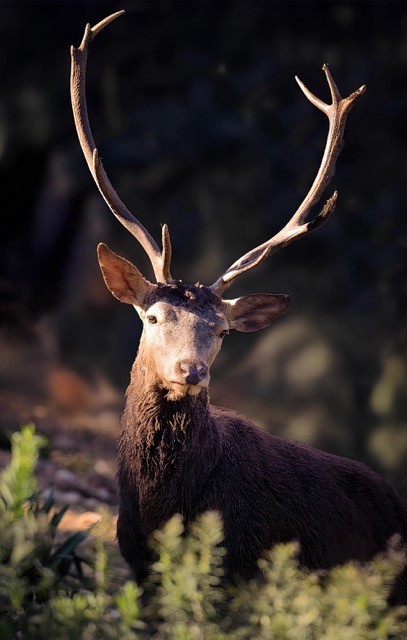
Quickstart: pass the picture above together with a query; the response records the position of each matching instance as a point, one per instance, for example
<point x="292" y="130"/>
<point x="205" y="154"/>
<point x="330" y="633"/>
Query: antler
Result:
<point x="337" y="113"/>
<point x="160" y="260"/>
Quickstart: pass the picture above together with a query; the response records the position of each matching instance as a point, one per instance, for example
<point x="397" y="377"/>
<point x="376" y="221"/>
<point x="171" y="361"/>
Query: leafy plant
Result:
<point x="31" y="563"/>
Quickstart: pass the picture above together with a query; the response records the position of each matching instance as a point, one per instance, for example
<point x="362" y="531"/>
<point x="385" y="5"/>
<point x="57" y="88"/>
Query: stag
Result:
<point x="179" y="454"/>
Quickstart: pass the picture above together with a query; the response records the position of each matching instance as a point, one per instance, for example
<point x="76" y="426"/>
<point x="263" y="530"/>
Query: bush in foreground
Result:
<point x="45" y="592"/>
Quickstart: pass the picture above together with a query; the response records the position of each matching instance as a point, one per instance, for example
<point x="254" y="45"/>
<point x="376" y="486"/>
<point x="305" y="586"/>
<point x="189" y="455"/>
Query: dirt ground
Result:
<point x="78" y="465"/>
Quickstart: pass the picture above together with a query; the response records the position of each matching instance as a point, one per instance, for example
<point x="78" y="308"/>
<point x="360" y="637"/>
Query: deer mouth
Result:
<point x="181" y="389"/>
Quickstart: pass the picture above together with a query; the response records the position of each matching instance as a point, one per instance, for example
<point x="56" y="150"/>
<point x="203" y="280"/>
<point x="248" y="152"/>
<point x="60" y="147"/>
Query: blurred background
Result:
<point x="200" y="123"/>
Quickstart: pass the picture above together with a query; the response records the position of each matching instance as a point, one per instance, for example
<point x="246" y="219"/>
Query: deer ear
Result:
<point x="256" y="311"/>
<point x="122" y="278"/>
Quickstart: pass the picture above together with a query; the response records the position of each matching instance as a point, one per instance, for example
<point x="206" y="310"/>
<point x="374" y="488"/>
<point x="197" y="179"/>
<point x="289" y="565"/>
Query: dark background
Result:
<point x="201" y="125"/>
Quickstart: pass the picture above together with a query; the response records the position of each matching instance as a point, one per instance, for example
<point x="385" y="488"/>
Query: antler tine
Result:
<point x="167" y="253"/>
<point x="160" y="260"/>
<point x="297" y="226"/>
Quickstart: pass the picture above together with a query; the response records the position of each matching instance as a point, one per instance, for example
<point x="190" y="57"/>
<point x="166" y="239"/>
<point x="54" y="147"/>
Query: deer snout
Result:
<point x="193" y="372"/>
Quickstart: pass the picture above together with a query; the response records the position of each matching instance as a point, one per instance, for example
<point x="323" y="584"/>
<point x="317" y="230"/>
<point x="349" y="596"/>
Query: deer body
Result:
<point x="186" y="456"/>
<point x="179" y="454"/>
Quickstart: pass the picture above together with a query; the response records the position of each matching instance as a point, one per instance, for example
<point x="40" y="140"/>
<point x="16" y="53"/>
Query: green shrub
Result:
<point x="44" y="593"/>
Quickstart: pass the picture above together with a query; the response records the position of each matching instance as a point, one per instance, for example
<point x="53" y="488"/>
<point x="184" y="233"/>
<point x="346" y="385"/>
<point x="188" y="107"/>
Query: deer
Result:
<point x="179" y="454"/>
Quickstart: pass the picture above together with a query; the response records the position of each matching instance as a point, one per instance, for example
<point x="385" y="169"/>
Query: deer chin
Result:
<point x="178" y="390"/>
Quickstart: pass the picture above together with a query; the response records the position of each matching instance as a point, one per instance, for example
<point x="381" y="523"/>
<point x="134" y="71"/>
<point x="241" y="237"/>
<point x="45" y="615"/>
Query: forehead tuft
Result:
<point x="192" y="297"/>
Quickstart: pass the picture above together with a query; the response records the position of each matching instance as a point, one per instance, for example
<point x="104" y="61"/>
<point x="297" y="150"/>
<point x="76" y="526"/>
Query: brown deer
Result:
<point x="179" y="454"/>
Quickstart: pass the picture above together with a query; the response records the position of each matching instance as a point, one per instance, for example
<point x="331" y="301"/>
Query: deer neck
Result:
<point x="156" y="411"/>
<point x="167" y="434"/>
<point x="167" y="449"/>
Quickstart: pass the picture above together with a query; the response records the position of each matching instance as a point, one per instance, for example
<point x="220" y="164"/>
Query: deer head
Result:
<point x="183" y="325"/>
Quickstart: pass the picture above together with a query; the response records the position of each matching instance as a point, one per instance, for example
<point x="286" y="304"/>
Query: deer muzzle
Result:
<point x="192" y="372"/>
<point x="191" y="377"/>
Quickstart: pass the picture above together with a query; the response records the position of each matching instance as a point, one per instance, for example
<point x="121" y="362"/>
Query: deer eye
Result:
<point x="223" y="333"/>
<point x="152" y="319"/>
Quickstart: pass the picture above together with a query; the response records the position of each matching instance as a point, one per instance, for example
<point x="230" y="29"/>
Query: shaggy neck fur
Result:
<point x="166" y="446"/>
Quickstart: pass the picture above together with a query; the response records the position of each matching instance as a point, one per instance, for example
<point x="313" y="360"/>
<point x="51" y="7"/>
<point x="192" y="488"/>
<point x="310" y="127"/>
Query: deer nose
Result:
<point x="193" y="372"/>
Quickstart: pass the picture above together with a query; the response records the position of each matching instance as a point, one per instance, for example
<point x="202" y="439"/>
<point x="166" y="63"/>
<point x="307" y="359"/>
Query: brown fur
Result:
<point x="186" y="456"/>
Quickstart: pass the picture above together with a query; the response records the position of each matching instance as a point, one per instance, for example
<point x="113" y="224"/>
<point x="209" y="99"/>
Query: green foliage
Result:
<point x="31" y="563"/>
<point x="388" y="441"/>
<point x="350" y="603"/>
<point x="17" y="483"/>
<point x="186" y="596"/>
<point x="185" y="582"/>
